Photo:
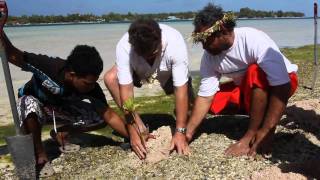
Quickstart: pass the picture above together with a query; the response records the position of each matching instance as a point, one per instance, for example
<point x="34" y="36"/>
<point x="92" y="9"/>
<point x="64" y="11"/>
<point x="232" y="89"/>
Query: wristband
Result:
<point x="181" y="130"/>
<point x="129" y="118"/>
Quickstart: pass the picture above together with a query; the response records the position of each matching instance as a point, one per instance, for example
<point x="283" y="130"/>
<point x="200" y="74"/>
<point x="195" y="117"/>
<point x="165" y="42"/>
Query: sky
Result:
<point x="99" y="7"/>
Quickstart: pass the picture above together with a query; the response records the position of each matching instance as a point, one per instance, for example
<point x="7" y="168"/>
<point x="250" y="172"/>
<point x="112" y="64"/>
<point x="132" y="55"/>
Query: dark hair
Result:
<point x="209" y="15"/>
<point x="144" y="34"/>
<point x="85" y="60"/>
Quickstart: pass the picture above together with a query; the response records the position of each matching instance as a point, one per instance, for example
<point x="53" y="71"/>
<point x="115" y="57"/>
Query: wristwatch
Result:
<point x="181" y="130"/>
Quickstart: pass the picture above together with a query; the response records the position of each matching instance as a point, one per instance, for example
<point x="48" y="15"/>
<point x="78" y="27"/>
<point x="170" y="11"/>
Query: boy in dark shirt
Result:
<point x="61" y="89"/>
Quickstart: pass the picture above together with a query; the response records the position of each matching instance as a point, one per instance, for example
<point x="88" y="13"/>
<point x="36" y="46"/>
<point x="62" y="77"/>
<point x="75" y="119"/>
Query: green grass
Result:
<point x="304" y="58"/>
<point x="5" y="131"/>
<point x="154" y="104"/>
<point x="301" y="54"/>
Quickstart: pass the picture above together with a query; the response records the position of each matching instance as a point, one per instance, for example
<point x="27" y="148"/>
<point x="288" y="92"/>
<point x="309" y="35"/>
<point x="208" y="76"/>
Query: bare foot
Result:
<point x="43" y="165"/>
<point x="266" y="144"/>
<point x="238" y="149"/>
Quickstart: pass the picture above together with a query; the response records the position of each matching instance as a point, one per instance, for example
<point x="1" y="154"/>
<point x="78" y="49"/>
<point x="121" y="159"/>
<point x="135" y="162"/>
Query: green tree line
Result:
<point x="250" y="13"/>
<point x="116" y="17"/>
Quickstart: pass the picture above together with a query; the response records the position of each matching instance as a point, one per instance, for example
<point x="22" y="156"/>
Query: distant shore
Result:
<point x="124" y="21"/>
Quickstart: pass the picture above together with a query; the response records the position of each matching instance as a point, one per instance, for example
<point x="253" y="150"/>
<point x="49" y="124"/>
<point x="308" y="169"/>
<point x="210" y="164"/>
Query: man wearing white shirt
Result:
<point x="263" y="78"/>
<point x="157" y="54"/>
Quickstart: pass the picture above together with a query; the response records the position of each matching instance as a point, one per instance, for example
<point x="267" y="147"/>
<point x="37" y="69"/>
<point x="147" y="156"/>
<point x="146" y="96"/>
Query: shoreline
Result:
<point x="127" y="22"/>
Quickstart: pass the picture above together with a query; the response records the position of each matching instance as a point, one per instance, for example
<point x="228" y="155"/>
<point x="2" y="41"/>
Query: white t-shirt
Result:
<point x="250" y="46"/>
<point x="172" y="62"/>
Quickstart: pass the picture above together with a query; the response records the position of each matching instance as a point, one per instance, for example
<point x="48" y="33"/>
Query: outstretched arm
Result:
<point x="14" y="55"/>
<point x="179" y="141"/>
<point x="181" y="95"/>
<point x="126" y="93"/>
<point x="200" y="109"/>
<point x="137" y="144"/>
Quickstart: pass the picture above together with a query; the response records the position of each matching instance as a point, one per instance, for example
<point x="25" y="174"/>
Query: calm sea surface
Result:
<point x="59" y="40"/>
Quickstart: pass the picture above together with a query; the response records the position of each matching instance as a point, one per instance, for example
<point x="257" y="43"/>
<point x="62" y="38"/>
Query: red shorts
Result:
<point x="241" y="95"/>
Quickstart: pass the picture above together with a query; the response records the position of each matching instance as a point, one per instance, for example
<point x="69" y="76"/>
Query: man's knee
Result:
<point x="31" y="117"/>
<point x="259" y="91"/>
<point x="31" y="124"/>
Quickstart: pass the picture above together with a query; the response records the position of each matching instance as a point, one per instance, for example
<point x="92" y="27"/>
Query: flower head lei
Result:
<point x="228" y="17"/>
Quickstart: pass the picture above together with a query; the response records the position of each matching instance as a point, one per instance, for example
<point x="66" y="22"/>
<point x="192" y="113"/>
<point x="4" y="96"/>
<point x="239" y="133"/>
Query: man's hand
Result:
<point x="136" y="144"/>
<point x="180" y="143"/>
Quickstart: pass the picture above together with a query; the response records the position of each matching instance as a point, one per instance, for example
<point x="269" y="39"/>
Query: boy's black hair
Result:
<point x="144" y="35"/>
<point x="209" y="15"/>
<point x="84" y="60"/>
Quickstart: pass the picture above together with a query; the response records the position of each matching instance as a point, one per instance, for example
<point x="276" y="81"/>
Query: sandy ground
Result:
<point x="302" y="113"/>
<point x="274" y="173"/>
<point x="158" y="148"/>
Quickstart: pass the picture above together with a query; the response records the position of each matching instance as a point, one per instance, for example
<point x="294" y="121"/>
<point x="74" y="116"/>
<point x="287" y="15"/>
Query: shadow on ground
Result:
<point x="154" y="121"/>
<point x="305" y="155"/>
<point x="290" y="145"/>
<point x="299" y="118"/>
<point x="233" y="126"/>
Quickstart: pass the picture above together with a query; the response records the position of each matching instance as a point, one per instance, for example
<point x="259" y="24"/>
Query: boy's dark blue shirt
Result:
<point x="47" y="84"/>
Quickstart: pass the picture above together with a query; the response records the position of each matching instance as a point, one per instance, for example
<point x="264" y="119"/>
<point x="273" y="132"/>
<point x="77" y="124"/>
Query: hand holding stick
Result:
<point x="3" y="14"/>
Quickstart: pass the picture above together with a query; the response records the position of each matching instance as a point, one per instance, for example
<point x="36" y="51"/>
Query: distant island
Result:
<point x="116" y="17"/>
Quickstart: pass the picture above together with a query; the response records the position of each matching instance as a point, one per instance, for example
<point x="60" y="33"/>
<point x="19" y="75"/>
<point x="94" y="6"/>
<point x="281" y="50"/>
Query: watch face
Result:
<point x="181" y="130"/>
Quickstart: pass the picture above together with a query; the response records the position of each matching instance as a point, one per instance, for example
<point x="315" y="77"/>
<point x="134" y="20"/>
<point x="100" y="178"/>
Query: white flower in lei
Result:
<point x="152" y="80"/>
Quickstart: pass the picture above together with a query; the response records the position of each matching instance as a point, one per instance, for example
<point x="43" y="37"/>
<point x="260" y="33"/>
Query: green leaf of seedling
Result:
<point x="129" y="105"/>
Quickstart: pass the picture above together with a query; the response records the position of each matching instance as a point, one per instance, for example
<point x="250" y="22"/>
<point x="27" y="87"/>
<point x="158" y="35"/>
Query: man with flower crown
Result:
<point x="151" y="53"/>
<point x="263" y="78"/>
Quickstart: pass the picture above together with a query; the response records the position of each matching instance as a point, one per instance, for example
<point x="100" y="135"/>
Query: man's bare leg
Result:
<point x="266" y="144"/>
<point x="112" y="83"/>
<point x="259" y="101"/>
<point x="32" y="126"/>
